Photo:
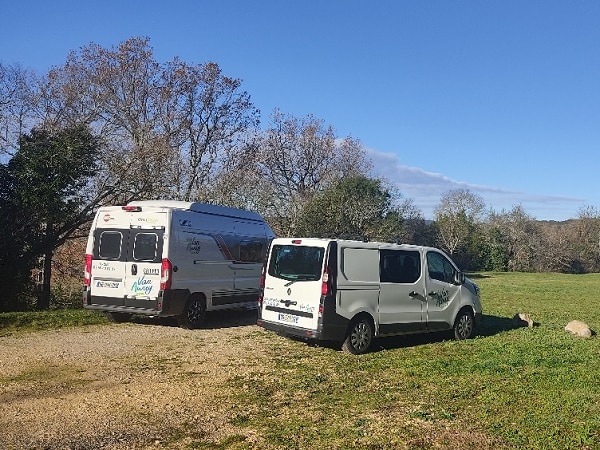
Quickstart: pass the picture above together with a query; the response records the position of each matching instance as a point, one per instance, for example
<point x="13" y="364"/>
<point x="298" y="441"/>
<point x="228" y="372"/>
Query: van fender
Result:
<point x="367" y="314"/>
<point x="359" y="299"/>
<point x="462" y="305"/>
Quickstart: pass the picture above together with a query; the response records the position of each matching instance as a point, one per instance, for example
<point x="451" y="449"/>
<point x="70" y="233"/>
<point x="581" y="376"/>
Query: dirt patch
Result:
<point x="136" y="385"/>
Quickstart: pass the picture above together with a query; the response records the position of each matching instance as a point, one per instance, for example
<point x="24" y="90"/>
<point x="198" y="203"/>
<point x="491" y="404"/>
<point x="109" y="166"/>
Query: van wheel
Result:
<point x="118" y="317"/>
<point x="360" y="336"/>
<point x="464" y="326"/>
<point x="194" y="313"/>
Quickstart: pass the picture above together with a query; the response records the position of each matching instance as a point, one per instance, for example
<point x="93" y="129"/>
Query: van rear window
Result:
<point x="145" y="247"/>
<point x="128" y="245"/>
<point x="109" y="246"/>
<point x="293" y="262"/>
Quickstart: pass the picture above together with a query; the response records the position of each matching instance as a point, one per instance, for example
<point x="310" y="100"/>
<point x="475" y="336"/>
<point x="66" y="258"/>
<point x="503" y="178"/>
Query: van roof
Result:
<point x="364" y="244"/>
<point x="198" y="207"/>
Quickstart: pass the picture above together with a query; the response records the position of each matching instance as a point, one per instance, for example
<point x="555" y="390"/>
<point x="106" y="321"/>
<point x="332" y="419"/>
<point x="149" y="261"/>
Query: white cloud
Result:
<point x="426" y="188"/>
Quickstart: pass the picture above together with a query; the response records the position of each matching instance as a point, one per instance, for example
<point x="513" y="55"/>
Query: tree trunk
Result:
<point x="44" y="295"/>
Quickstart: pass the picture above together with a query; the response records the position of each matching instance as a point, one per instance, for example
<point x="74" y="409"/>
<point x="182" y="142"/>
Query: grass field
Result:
<point x="525" y="388"/>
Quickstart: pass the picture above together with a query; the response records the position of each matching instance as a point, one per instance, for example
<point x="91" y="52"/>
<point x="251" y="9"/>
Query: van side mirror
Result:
<point x="459" y="277"/>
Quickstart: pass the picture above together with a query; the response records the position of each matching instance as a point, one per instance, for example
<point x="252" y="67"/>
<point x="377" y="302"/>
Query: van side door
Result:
<point x="250" y="252"/>
<point x="402" y="295"/>
<point x="443" y="295"/>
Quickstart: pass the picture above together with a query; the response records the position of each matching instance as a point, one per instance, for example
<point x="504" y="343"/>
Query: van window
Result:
<point x="251" y="251"/>
<point x="360" y="264"/>
<point x="109" y="246"/>
<point x="293" y="262"/>
<point x="400" y="266"/>
<point x="440" y="268"/>
<point x="145" y="246"/>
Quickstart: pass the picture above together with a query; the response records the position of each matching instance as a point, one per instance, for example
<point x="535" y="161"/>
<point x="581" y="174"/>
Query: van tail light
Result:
<point x="130" y="208"/>
<point x="261" y="291"/>
<point x="325" y="285"/>
<point x="166" y="274"/>
<point x="87" y="272"/>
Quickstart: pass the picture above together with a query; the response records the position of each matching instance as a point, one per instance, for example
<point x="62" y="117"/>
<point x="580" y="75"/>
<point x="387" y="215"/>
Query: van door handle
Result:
<point x="134" y="269"/>
<point x="241" y="267"/>
<point x="415" y="294"/>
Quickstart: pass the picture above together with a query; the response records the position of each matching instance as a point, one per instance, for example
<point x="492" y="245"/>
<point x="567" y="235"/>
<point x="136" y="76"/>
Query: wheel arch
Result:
<point x="360" y="315"/>
<point x="468" y="308"/>
<point x="200" y="296"/>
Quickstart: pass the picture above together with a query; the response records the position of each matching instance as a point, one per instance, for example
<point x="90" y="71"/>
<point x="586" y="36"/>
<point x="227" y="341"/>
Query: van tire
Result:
<point x="464" y="325"/>
<point x="359" y="337"/>
<point x="118" y="317"/>
<point x="194" y="313"/>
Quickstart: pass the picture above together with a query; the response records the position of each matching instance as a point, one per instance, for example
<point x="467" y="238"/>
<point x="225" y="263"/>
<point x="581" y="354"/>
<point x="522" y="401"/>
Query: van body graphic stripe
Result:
<point x="223" y="246"/>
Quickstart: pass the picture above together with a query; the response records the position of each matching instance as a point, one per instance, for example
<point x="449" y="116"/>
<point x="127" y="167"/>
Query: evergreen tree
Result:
<point x="47" y="178"/>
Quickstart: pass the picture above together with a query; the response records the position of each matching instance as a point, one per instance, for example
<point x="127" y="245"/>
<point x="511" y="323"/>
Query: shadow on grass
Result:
<point x="214" y="319"/>
<point x="475" y="276"/>
<point x="490" y="326"/>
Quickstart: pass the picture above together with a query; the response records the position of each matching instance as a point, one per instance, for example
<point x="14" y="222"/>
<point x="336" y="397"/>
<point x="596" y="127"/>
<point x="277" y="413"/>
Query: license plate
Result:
<point x="289" y="318"/>
<point x="107" y="284"/>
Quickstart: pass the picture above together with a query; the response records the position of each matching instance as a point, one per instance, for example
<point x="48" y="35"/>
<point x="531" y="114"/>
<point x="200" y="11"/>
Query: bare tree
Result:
<point x="585" y="236"/>
<point x="456" y="214"/>
<point x="17" y="98"/>
<point x="208" y="120"/>
<point x="168" y="127"/>
<point x="520" y="236"/>
<point x="113" y="91"/>
<point x="556" y="248"/>
<point x="298" y="158"/>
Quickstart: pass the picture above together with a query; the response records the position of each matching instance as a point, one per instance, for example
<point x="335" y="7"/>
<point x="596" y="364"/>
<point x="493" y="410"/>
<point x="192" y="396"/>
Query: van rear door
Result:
<point x="292" y="292"/>
<point x="143" y="266"/>
<point x="127" y="256"/>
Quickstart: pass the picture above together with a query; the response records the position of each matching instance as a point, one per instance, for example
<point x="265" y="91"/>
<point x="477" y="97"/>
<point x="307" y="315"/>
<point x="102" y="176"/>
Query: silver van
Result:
<point x="353" y="291"/>
<point x="172" y="258"/>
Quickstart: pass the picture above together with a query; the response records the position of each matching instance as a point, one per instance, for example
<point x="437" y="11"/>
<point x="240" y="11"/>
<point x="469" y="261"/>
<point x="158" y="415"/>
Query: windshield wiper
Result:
<point x="300" y="278"/>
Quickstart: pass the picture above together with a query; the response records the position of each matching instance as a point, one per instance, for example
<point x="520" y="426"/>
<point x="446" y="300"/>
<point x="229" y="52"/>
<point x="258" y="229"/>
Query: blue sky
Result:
<point x="499" y="97"/>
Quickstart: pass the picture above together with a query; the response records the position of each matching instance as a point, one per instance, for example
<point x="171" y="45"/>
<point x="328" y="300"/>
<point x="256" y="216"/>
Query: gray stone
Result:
<point x="579" y="328"/>
<point x="522" y="320"/>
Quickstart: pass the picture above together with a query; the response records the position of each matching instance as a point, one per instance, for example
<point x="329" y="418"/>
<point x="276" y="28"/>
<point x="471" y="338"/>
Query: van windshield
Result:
<point x="293" y="262"/>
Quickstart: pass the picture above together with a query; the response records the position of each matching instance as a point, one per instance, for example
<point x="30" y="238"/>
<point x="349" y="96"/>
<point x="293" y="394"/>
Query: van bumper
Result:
<point x="168" y="303"/>
<point x="332" y="333"/>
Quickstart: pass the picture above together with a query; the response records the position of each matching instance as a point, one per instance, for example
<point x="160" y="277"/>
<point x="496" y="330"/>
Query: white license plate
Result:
<point x="107" y="284"/>
<point x="289" y="318"/>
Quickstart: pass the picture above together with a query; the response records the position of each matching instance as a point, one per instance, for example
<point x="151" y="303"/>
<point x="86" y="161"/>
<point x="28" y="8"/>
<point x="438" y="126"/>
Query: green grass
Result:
<point x="24" y="322"/>
<point x="536" y="388"/>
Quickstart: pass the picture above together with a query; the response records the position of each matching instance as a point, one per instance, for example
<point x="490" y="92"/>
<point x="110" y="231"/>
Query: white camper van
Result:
<point x="172" y="258"/>
<point x="352" y="291"/>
